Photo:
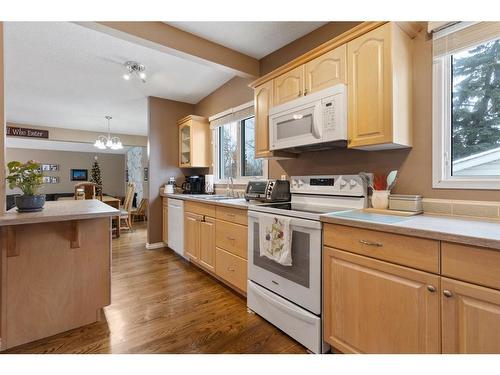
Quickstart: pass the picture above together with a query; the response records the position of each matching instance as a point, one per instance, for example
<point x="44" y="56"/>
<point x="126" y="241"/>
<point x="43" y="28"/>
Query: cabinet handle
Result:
<point x="305" y="92"/>
<point x="230" y="238"/>
<point x="230" y="269"/>
<point x="447" y="293"/>
<point x="431" y="288"/>
<point x="230" y="215"/>
<point x="370" y="243"/>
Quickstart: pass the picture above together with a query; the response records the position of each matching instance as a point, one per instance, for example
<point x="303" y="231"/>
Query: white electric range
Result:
<point x="290" y="297"/>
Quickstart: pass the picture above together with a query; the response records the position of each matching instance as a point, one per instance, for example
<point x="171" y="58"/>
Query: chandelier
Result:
<point x="107" y="141"/>
<point x="134" y="68"/>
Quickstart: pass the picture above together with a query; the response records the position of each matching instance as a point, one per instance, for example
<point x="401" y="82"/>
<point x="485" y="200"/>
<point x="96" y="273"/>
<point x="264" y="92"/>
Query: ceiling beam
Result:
<point x="166" y="38"/>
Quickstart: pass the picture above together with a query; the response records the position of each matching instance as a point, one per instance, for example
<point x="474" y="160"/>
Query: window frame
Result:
<point x="442" y="178"/>
<point x="239" y="179"/>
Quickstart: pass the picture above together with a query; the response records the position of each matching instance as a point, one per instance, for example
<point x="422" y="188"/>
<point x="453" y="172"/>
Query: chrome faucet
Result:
<point x="230" y="193"/>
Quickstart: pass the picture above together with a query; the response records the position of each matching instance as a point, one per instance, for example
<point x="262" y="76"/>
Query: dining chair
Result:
<point x="126" y="209"/>
<point x="141" y="210"/>
<point x="88" y="189"/>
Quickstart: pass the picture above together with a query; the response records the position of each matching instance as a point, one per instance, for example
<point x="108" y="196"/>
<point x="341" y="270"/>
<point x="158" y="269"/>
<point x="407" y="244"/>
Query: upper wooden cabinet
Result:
<point x="263" y="101"/>
<point x="372" y="306"/>
<point x="326" y="70"/>
<point x="289" y="86"/>
<point x="379" y="79"/>
<point x="194" y="142"/>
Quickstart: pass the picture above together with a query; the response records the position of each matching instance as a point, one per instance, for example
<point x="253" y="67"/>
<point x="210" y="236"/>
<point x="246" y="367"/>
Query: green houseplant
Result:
<point x="29" y="178"/>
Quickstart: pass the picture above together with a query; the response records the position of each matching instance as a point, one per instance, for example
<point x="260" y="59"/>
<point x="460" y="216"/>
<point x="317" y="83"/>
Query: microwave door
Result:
<point x="295" y="128"/>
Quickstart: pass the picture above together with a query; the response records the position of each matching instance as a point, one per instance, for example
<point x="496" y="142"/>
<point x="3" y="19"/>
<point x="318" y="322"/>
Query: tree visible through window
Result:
<point x="476" y="110"/>
<point x="236" y="150"/>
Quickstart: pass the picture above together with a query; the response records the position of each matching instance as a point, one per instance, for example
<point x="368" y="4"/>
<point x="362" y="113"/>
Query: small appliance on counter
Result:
<point x="209" y="184"/>
<point x="170" y="186"/>
<point x="194" y="185"/>
<point x="268" y="191"/>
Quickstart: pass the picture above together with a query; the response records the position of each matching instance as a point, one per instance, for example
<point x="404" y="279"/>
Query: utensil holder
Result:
<point x="380" y="199"/>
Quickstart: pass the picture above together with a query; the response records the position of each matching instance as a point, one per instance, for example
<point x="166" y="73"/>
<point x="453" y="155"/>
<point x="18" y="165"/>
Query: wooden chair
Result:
<point x="88" y="188"/>
<point x="126" y="209"/>
<point x="141" y="210"/>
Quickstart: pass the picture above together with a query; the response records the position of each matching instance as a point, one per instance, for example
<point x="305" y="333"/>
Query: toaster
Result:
<point x="268" y="191"/>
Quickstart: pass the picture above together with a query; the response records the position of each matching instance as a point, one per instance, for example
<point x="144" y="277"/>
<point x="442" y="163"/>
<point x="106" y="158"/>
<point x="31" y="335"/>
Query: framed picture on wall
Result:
<point x="54" y="180"/>
<point x="79" y="174"/>
<point x="54" y="167"/>
<point x="45" y="167"/>
<point x="46" y="179"/>
<point x="146" y="174"/>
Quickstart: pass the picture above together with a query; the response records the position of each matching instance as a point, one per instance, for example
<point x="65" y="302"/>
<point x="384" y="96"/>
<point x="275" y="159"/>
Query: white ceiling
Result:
<point x="38" y="144"/>
<point x="65" y="75"/>
<point x="255" y="39"/>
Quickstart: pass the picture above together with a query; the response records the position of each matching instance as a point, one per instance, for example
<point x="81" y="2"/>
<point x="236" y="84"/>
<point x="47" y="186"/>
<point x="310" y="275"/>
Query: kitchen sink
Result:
<point x="215" y="197"/>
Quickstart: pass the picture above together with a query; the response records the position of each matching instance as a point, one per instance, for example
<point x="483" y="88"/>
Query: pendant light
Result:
<point x="107" y="141"/>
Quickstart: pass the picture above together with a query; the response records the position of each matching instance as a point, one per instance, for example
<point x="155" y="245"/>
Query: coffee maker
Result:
<point x="194" y="185"/>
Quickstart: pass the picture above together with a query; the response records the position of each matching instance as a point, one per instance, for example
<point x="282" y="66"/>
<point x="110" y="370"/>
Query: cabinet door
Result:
<point x="185" y="157"/>
<point x="327" y="70"/>
<point x="263" y="99"/>
<point x="289" y="85"/>
<point x="370" y="93"/>
<point x="192" y="235"/>
<point x="165" y="223"/>
<point x="372" y="306"/>
<point x="207" y="243"/>
<point x="471" y="318"/>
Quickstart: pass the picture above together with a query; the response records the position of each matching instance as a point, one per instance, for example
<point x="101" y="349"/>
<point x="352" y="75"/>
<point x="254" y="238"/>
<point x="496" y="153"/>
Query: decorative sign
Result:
<point x="14" y="131"/>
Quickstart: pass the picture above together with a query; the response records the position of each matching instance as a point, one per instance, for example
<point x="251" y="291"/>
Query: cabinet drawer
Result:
<point x="470" y="263"/>
<point x="200" y="208"/>
<point x="231" y="268"/>
<point x="231" y="237"/>
<point x="234" y="215"/>
<point x="408" y="251"/>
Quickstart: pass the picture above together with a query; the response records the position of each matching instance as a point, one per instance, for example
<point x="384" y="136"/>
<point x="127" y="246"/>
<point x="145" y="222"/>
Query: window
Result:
<point x="466" y="113"/>
<point x="234" y="147"/>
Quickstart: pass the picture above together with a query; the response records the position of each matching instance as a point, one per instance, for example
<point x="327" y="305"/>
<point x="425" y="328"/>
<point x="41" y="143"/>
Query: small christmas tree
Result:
<point x="95" y="177"/>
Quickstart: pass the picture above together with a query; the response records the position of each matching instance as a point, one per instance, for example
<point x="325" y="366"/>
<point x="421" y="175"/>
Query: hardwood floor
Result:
<point x="163" y="304"/>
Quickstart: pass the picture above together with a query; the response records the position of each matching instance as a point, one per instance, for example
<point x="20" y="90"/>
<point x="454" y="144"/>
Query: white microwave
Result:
<point x="313" y="119"/>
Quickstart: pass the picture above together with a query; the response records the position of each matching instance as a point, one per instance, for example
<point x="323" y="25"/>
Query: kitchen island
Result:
<point x="54" y="269"/>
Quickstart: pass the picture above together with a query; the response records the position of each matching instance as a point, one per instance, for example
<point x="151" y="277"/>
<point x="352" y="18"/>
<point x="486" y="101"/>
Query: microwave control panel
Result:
<point x="330" y="107"/>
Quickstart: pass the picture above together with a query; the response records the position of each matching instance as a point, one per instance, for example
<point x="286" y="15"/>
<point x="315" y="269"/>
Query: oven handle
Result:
<point x="301" y="223"/>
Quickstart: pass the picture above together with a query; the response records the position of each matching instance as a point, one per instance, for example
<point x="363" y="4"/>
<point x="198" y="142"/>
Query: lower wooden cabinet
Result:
<point x="470" y="318"/>
<point x="192" y="235"/>
<point x="231" y="268"/>
<point x="372" y="306"/>
<point x="207" y="243"/>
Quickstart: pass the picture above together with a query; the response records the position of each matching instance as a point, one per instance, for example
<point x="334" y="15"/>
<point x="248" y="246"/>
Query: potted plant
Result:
<point x="29" y="178"/>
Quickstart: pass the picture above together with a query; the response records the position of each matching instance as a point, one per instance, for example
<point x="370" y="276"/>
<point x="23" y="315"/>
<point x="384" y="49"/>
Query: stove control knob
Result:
<point x="300" y="183"/>
<point x="353" y="183"/>
<point x="342" y="183"/>
<point x="294" y="183"/>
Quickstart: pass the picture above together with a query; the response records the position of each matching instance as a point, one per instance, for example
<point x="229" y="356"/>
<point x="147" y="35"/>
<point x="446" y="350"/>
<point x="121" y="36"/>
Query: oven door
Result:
<point x="299" y="283"/>
<point x="299" y="126"/>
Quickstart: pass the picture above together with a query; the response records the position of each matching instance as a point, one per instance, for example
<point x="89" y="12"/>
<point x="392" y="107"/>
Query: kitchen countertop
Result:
<point x="484" y="233"/>
<point x="59" y="211"/>
<point x="234" y="202"/>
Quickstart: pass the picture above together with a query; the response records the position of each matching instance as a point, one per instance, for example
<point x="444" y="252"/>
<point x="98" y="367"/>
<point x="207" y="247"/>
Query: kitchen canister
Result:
<point x="380" y="199"/>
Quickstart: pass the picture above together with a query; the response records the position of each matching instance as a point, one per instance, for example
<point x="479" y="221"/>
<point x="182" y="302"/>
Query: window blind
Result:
<point x="463" y="35"/>
<point x="232" y="115"/>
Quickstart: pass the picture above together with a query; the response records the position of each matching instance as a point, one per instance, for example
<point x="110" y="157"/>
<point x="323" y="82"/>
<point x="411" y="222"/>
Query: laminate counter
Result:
<point x="233" y="202"/>
<point x="476" y="232"/>
<point x="54" y="269"/>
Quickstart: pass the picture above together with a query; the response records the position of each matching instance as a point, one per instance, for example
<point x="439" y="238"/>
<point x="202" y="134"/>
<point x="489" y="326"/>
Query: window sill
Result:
<point x="464" y="183"/>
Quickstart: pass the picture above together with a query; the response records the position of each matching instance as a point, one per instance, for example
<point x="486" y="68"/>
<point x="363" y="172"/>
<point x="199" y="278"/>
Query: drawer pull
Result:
<point x="231" y="238"/>
<point x="230" y="269"/>
<point x="370" y="243"/>
<point x="431" y="288"/>
<point x="230" y="215"/>
<point x="447" y="293"/>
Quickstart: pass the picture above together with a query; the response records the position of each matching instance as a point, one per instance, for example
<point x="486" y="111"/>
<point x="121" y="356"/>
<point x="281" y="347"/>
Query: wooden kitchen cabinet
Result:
<point x="192" y="235"/>
<point x="470" y="318"/>
<point x="164" y="228"/>
<point x="207" y="243"/>
<point x="379" y="78"/>
<point x="326" y="70"/>
<point x="263" y="101"/>
<point x="194" y="142"/>
<point x="289" y="85"/>
<point x="372" y="306"/>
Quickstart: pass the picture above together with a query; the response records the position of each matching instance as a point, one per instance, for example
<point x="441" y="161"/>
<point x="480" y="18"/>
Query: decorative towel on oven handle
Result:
<point x="275" y="239"/>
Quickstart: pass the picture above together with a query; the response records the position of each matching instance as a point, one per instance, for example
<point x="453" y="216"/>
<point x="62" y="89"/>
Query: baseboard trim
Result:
<point x="156" y="245"/>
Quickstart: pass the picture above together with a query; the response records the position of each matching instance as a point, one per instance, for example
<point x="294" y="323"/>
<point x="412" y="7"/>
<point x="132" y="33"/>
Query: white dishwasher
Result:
<point x="176" y="225"/>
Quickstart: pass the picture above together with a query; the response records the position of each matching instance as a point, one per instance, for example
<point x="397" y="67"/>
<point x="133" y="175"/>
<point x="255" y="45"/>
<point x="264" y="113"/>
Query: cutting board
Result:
<point x="390" y="212"/>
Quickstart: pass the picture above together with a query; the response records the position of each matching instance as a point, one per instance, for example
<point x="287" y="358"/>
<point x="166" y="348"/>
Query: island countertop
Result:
<point x="65" y="210"/>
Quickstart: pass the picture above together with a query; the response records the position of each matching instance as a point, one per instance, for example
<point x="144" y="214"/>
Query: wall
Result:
<point x="2" y="121"/>
<point x="163" y="150"/>
<point x="302" y="45"/>
<point x="414" y="165"/>
<point x="112" y="168"/>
